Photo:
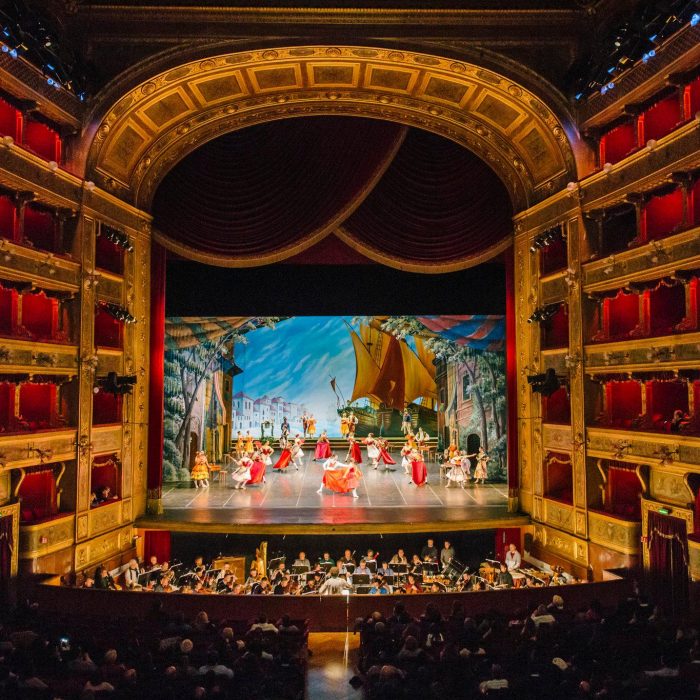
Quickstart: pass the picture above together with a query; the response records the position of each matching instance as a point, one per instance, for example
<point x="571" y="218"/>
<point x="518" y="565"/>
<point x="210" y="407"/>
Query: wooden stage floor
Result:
<point x="288" y="502"/>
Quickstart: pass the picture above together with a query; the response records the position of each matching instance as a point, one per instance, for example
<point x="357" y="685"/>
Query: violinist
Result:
<point x="411" y="586"/>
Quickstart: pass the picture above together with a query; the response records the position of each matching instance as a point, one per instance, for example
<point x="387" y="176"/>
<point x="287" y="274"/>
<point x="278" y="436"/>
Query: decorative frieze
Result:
<point x="562" y="544"/>
<point x="559" y="515"/>
<point x="614" y="533"/>
<point x="99" y="549"/>
<point x="31" y="449"/>
<point x="36" y="540"/>
<point x="104" y="518"/>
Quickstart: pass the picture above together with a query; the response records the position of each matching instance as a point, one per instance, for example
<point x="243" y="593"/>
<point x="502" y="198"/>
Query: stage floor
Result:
<point x="289" y="498"/>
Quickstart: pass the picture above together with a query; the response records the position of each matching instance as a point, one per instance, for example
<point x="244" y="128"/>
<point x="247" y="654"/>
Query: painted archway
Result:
<point x="159" y="122"/>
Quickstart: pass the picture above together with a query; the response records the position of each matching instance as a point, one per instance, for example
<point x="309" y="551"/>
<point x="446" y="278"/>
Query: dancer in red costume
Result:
<point x="323" y="447"/>
<point x="384" y="455"/>
<point x="354" y="454"/>
<point x="341" y="478"/>
<point x="257" y="470"/>
<point x="285" y="458"/>
<point x="419" y="472"/>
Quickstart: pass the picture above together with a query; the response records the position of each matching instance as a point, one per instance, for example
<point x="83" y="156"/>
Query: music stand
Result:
<point x="399" y="568"/>
<point x="349" y="568"/>
<point x="360" y="579"/>
<point x="300" y="569"/>
<point x="389" y="580"/>
<point x="371" y="565"/>
<point x="430" y="568"/>
<point x="363" y="589"/>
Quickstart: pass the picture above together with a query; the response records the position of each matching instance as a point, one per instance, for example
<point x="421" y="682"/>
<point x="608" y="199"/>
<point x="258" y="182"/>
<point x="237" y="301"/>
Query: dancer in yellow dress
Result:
<point x="249" y="447"/>
<point x="344" y="425"/>
<point x="200" y="470"/>
<point x="311" y="426"/>
<point x="240" y="444"/>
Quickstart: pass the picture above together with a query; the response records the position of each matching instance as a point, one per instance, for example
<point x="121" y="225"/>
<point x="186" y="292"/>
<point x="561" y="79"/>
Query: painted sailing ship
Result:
<point x="390" y="375"/>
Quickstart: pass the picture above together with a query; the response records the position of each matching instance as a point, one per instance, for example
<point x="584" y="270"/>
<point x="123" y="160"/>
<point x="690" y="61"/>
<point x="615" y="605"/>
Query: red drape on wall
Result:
<point x="666" y="308"/>
<point x="105" y="472"/>
<point x="38" y="495"/>
<point x="511" y="378"/>
<point x="667" y="540"/>
<point x="39" y="228"/>
<point x="555" y="330"/>
<point x="108" y="330"/>
<point x="37" y="403"/>
<point x="618" y="143"/>
<point x="624" y="401"/>
<point x="661" y="118"/>
<point x="157" y="543"/>
<point x="156" y="434"/>
<point x="40" y="315"/>
<point x="557" y="407"/>
<point x="6" y="546"/>
<point x="623" y="490"/>
<point x="663" y="215"/>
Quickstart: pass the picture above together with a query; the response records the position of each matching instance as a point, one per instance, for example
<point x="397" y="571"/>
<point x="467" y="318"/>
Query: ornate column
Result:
<point x="156" y="434"/>
<point x="512" y="386"/>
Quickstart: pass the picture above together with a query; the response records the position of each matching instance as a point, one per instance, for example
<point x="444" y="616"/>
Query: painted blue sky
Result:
<point x="296" y="360"/>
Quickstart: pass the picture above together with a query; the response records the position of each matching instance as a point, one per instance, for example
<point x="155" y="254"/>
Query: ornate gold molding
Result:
<point x="13" y="511"/>
<point x="156" y="124"/>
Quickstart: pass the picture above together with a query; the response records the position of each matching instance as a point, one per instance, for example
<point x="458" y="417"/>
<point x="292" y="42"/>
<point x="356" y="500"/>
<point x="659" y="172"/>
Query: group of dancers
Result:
<point x="252" y="457"/>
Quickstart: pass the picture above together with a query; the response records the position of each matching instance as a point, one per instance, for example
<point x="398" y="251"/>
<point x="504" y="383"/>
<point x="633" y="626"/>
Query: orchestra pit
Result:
<point x="349" y="349"/>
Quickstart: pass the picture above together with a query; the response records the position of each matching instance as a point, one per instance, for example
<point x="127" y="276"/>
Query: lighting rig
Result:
<point x="115" y="384"/>
<point x="23" y="33"/>
<point x="546" y="383"/>
<point x="119" y="238"/>
<point x="546" y="239"/>
<point x="117" y="311"/>
<point x="543" y="313"/>
<point x="637" y="40"/>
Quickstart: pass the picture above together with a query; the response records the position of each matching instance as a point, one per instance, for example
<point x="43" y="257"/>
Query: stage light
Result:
<point x="695" y="19"/>
<point x="116" y="384"/>
<point x="579" y="96"/>
<point x="13" y="53"/>
<point x="545" y="384"/>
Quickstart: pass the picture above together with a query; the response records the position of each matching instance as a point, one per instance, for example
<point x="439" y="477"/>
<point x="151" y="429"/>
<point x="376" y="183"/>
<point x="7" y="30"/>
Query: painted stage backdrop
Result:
<point x="233" y="374"/>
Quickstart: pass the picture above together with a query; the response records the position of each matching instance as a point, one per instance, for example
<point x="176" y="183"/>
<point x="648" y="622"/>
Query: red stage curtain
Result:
<point x="555" y="330"/>
<point x="157" y="543"/>
<point x="6" y="547"/>
<point x="156" y="378"/>
<point x="622" y="492"/>
<point x="618" y="143"/>
<point x="661" y="118"/>
<point x="436" y="202"/>
<point x="38" y="495"/>
<point x="260" y="189"/>
<point x="8" y="218"/>
<point x="668" y="558"/>
<point x="108" y="331"/>
<point x="511" y="377"/>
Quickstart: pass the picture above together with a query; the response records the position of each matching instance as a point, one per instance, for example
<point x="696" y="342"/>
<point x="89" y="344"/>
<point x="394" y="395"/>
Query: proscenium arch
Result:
<point x="160" y="121"/>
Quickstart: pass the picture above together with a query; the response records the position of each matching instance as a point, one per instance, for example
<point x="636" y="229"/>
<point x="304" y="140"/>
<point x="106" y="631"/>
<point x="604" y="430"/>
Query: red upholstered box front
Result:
<point x="618" y="143"/>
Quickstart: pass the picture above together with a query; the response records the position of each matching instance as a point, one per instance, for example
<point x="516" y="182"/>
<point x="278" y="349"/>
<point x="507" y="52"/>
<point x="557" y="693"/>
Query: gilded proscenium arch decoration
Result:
<point x="160" y="121"/>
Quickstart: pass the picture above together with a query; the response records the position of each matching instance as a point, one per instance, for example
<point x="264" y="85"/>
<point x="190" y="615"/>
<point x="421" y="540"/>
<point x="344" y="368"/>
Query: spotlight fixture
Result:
<point x="117" y="237"/>
<point x="118" y="312"/>
<point x="545" y="384"/>
<point x="543" y="313"/>
<point x="116" y="384"/>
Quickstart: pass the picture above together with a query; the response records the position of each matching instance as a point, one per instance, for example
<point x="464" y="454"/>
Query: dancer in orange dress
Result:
<point x="341" y="478"/>
<point x="419" y="472"/>
<point x="200" y="470"/>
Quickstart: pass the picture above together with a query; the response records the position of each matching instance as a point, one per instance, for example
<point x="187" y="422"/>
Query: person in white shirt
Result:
<point x="131" y="575"/>
<point x="334" y="584"/>
<point x="513" y="559"/>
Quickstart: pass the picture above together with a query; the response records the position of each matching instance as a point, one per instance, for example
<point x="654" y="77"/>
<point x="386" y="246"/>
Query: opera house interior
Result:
<point x="382" y="316"/>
